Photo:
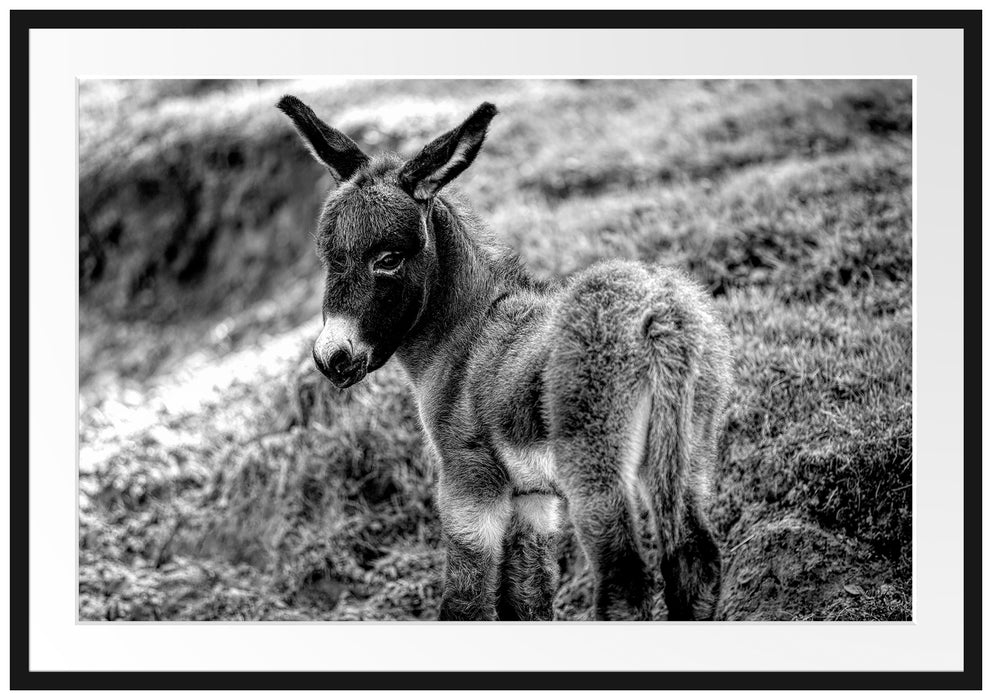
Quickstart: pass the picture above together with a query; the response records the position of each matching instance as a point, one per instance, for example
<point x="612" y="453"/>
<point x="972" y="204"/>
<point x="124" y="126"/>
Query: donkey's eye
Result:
<point x="388" y="262"/>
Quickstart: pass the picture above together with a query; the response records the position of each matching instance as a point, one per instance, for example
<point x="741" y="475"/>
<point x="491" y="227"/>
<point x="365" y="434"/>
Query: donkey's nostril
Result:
<point x="340" y="362"/>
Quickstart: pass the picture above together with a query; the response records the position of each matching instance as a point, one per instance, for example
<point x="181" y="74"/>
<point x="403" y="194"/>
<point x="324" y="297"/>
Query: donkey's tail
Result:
<point x="667" y="470"/>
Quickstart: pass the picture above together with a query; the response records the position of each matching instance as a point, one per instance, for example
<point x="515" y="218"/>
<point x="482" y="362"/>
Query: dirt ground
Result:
<point x="222" y="479"/>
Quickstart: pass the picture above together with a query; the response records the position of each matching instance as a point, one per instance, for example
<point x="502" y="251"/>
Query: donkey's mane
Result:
<point x="499" y="260"/>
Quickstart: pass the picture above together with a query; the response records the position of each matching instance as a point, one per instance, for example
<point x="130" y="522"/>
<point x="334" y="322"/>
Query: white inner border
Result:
<point x="932" y="642"/>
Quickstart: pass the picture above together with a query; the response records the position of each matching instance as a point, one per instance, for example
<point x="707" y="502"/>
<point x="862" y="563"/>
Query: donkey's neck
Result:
<point x="471" y="275"/>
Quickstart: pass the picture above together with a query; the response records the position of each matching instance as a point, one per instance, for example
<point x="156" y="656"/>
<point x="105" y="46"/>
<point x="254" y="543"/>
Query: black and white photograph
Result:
<point x="528" y="349"/>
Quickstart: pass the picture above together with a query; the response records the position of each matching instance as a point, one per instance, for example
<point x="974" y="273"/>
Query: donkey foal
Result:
<point x="605" y="393"/>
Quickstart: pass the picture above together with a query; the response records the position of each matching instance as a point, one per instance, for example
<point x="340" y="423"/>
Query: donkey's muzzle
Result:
<point x="341" y="367"/>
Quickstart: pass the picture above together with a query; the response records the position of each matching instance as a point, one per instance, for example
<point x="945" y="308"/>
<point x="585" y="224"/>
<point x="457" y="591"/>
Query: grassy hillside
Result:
<point x="222" y="478"/>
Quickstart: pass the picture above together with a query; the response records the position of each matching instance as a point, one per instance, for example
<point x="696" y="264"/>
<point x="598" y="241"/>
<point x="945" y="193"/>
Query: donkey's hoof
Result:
<point x="635" y="607"/>
<point x="461" y="611"/>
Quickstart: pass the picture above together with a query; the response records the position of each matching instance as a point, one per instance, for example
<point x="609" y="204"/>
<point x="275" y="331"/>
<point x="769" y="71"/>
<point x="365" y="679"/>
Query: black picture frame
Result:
<point x="21" y="22"/>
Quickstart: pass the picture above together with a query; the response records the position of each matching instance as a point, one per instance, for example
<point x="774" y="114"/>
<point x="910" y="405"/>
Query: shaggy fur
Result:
<point x="533" y="396"/>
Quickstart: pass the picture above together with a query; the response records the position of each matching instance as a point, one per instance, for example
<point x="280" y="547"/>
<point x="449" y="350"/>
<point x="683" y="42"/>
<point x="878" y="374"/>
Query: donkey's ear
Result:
<point x="329" y="146"/>
<point x="444" y="158"/>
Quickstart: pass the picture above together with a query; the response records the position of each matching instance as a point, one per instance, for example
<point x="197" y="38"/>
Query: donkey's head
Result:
<point x="375" y="238"/>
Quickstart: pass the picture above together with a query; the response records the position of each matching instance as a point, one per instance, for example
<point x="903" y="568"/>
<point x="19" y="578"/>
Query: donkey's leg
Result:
<point x="602" y="512"/>
<point x="691" y="570"/>
<point x="530" y="564"/>
<point x="474" y="522"/>
<point x="598" y="428"/>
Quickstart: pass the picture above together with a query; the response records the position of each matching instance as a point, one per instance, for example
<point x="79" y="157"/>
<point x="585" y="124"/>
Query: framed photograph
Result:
<point x="574" y="349"/>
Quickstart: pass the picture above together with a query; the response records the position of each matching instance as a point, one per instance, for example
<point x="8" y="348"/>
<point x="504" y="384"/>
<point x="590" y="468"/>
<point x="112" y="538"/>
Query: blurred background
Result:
<point x="222" y="478"/>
